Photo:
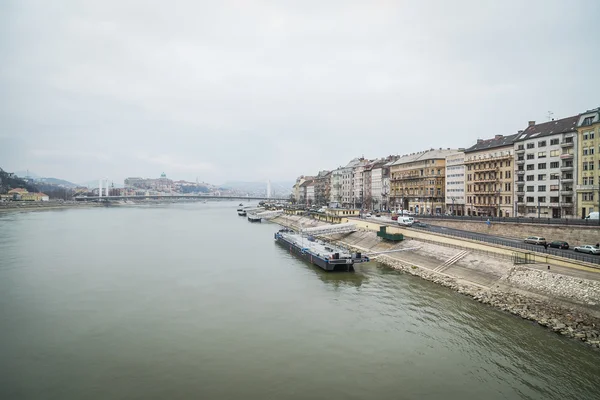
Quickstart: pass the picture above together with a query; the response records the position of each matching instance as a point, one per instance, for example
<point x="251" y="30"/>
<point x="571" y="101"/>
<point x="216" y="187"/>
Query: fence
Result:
<point x="530" y="248"/>
<point x="517" y="220"/>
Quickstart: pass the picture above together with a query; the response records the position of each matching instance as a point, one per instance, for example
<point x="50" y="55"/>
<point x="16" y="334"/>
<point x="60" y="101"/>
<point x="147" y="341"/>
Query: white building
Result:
<point x="348" y="183"/>
<point x="358" y="183"/>
<point x="377" y="185"/>
<point x="335" y="193"/>
<point x="455" y="183"/>
<point x="546" y="169"/>
<point x="310" y="193"/>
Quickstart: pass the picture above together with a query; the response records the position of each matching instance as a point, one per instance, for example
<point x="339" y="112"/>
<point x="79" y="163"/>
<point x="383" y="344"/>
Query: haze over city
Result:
<point x="262" y="90"/>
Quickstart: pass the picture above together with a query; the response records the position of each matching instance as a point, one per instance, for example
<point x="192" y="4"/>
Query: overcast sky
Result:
<point x="251" y="90"/>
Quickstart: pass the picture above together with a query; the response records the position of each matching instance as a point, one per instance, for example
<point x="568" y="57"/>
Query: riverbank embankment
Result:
<point x="43" y="205"/>
<point x="559" y="299"/>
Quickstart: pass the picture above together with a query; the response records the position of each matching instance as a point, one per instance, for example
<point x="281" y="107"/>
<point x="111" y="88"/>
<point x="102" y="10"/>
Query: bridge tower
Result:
<point x="269" y="189"/>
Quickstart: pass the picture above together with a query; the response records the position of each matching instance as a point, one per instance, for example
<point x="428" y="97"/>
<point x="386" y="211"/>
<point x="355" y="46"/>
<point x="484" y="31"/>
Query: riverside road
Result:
<point x="503" y="241"/>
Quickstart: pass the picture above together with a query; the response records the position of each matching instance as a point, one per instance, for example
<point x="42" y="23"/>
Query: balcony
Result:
<point x="566" y="156"/>
<point x="520" y="172"/>
<point x="566" y="180"/>
<point x="520" y="151"/>
<point x="495" y="179"/>
<point x="566" y="144"/>
<point x="586" y="188"/>
<point x="566" y="168"/>
<point x="566" y="192"/>
<point x="520" y="162"/>
<point x="520" y="192"/>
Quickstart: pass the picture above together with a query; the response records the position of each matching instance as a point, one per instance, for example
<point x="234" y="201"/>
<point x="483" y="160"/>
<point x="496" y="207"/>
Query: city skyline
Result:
<point x="257" y="91"/>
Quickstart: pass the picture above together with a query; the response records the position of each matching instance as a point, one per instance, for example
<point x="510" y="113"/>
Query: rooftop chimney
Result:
<point x="498" y="136"/>
<point x="479" y="141"/>
<point x="531" y="123"/>
<point x="520" y="131"/>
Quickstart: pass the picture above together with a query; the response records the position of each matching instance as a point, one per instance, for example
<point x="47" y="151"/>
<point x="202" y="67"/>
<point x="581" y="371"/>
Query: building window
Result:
<point x="542" y="188"/>
<point x="585" y="135"/>
<point x="530" y="199"/>
<point x="530" y="145"/>
<point x="554" y="177"/>
<point x="530" y="156"/>
<point x="507" y="187"/>
<point x="508" y="163"/>
<point x="530" y="167"/>
<point x="554" y="188"/>
<point x="542" y="166"/>
<point x="542" y="154"/>
<point x="541" y="199"/>
<point x="585" y="151"/>
<point x="541" y="177"/>
<point x="530" y="178"/>
<point x="591" y="150"/>
<point x="530" y="188"/>
<point x="587" y="121"/>
<point x="554" y="153"/>
<point x="542" y="143"/>
<point x="507" y="175"/>
<point x="554" y="164"/>
<point x="591" y="134"/>
<point x="554" y="200"/>
<point x="554" y="141"/>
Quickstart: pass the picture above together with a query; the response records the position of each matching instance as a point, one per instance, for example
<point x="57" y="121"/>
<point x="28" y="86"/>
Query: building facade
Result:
<point x="348" y="183"/>
<point x="455" y="183"/>
<point x="322" y="184"/>
<point x="417" y="182"/>
<point x="335" y="195"/>
<point x="545" y="165"/>
<point x="358" y="183"/>
<point x="489" y="183"/>
<point x="588" y="149"/>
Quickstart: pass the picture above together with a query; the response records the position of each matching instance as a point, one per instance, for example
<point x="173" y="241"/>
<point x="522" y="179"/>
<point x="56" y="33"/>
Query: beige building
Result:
<point x="588" y="152"/>
<point x="489" y="170"/>
<point x="417" y="182"/>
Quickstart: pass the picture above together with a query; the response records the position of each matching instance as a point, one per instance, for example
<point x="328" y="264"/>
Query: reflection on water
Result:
<point x="192" y="301"/>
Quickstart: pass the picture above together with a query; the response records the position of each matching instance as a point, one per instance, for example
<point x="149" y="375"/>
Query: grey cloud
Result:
<point x="256" y="90"/>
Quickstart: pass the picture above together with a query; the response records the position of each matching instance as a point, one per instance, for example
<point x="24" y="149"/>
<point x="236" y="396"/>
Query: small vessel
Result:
<point x="254" y="218"/>
<point x="319" y="253"/>
<point x="241" y="205"/>
<point x="241" y="213"/>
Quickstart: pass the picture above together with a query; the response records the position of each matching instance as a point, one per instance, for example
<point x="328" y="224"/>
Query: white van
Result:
<point x="406" y="221"/>
<point x="593" y="215"/>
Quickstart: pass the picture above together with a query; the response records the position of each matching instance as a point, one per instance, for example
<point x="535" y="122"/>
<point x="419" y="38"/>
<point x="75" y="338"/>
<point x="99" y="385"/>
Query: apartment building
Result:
<point x="322" y="185"/>
<point x="545" y="165"/>
<point x="489" y="171"/>
<point x="358" y="184"/>
<point x="455" y="183"/>
<point x="588" y="163"/>
<point x="417" y="181"/>
<point x="335" y="195"/>
<point x="348" y="183"/>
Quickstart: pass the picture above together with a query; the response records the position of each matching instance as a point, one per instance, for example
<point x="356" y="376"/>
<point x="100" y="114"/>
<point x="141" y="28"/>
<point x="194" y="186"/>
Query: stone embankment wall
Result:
<point x="574" y="235"/>
<point x="565" y="304"/>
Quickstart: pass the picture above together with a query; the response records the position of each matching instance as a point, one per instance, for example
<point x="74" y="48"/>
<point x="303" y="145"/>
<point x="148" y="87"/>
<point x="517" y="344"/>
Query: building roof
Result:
<point x="496" y="141"/>
<point x="564" y="125"/>
<point x="432" y="154"/>
<point x="18" y="190"/>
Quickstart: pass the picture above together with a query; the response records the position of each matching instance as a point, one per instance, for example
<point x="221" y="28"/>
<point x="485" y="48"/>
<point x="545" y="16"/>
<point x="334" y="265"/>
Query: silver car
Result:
<point x="587" y="248"/>
<point x="536" y="240"/>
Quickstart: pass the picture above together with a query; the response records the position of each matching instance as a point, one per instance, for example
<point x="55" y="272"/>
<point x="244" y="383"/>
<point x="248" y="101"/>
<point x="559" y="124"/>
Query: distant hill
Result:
<point x="57" y="182"/>
<point x="25" y="174"/>
<point x="8" y="182"/>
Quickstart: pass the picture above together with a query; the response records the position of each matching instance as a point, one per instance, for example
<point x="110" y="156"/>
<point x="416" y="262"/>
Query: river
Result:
<point x="187" y="301"/>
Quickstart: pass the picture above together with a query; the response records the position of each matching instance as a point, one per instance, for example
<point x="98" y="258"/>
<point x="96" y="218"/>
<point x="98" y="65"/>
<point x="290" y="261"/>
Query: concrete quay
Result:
<point x="563" y="299"/>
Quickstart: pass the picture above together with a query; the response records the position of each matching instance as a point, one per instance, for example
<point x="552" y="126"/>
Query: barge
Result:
<point x="319" y="253"/>
<point x="254" y="218"/>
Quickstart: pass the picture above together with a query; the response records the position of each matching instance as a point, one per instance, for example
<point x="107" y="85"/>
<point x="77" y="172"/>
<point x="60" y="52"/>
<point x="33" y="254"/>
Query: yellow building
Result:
<point x="417" y="182"/>
<point x="588" y="164"/>
<point x="24" y="195"/>
<point x="489" y="172"/>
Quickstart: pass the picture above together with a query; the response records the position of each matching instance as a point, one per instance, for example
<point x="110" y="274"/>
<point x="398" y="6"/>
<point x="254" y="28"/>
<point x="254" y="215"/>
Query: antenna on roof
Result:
<point x="550" y="114"/>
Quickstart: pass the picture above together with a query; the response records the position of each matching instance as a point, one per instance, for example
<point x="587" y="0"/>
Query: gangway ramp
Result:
<point x="330" y="229"/>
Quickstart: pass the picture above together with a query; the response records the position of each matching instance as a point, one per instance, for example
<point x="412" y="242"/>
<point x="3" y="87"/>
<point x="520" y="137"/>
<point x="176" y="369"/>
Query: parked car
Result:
<point x="368" y="215"/>
<point x="420" y="224"/>
<point x="378" y="214"/>
<point x="395" y="217"/>
<point x="559" y="244"/>
<point x="587" y="248"/>
<point x="593" y="215"/>
<point x="536" y="240"/>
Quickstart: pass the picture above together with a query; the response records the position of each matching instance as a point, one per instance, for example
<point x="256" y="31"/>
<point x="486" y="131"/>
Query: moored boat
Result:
<point x="254" y="218"/>
<point x="241" y="213"/>
<point x="319" y="253"/>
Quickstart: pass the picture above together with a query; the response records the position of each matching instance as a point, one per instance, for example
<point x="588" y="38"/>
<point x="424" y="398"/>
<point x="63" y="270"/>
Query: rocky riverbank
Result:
<point x="565" y="304"/>
<point x="43" y="205"/>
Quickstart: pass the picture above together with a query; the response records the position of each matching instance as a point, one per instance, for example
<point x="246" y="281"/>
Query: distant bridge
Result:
<point x="175" y="197"/>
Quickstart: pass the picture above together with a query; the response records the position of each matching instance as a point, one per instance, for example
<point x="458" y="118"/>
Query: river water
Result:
<point x="191" y="301"/>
